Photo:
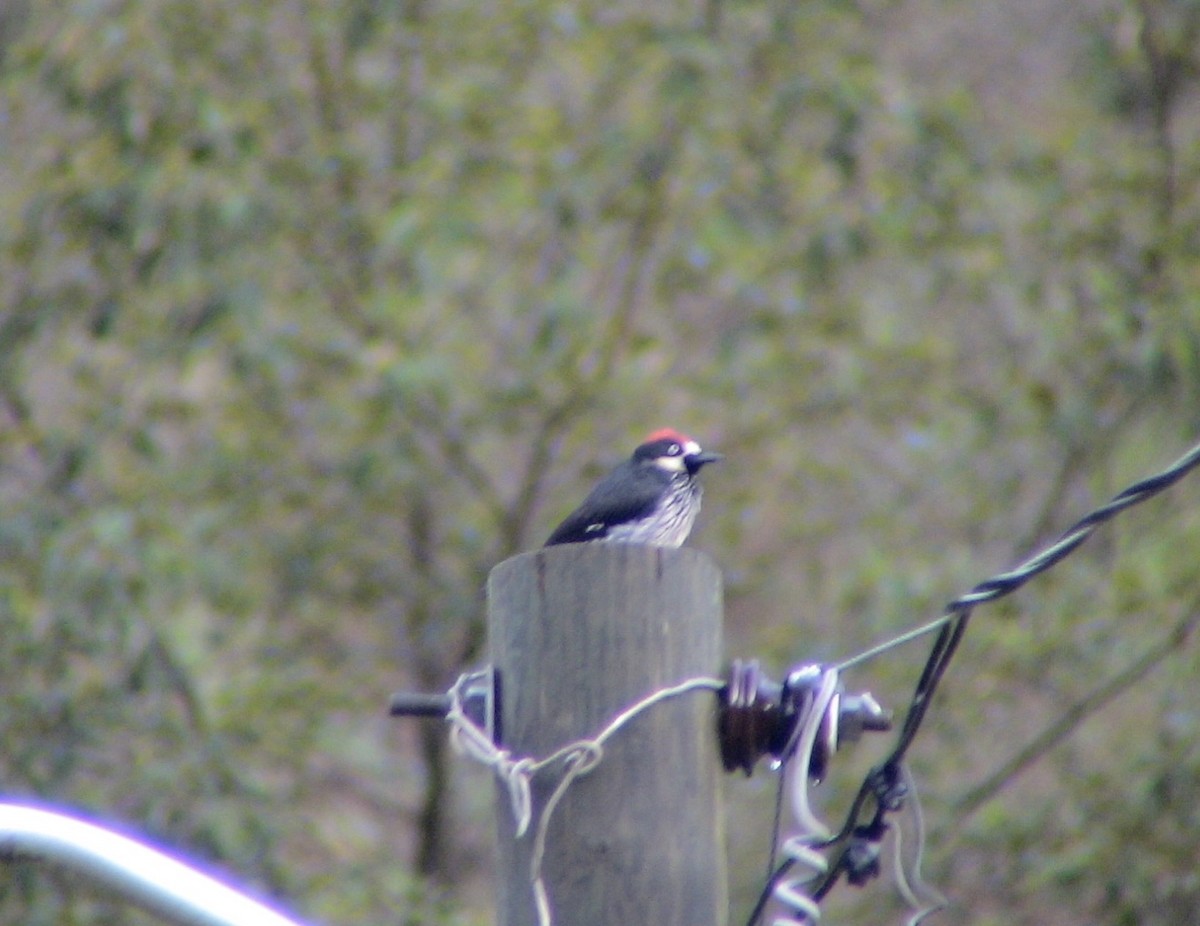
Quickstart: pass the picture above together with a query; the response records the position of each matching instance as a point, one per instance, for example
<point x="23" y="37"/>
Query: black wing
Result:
<point x="629" y="493"/>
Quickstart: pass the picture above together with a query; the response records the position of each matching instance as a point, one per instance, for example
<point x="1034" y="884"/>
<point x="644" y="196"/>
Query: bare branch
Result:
<point x="1065" y="725"/>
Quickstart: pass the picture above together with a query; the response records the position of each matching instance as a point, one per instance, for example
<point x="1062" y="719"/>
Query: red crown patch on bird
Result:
<point x="666" y="434"/>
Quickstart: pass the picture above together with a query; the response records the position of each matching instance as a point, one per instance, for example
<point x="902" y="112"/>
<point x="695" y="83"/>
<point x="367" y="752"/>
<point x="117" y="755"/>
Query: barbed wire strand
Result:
<point x="577" y="759"/>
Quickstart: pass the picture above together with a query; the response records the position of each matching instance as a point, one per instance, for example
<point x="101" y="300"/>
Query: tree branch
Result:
<point x="1062" y="728"/>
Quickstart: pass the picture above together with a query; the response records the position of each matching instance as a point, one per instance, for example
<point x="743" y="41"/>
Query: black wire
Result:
<point x="958" y="611"/>
<point x="773" y="874"/>
<point x="944" y="648"/>
<point x="777" y="824"/>
<point x="767" y="891"/>
<point x="883" y="782"/>
<point x="1007" y="582"/>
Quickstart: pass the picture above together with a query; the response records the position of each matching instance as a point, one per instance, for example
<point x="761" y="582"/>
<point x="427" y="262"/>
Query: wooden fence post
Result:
<point x="578" y="633"/>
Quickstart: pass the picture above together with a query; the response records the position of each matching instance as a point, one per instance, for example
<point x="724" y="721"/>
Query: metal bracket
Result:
<point x="479" y="693"/>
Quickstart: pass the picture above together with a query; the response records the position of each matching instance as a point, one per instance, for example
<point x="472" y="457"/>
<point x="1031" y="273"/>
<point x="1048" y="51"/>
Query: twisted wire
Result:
<point x="576" y="759"/>
<point x="1005" y="583"/>
<point x="889" y="783"/>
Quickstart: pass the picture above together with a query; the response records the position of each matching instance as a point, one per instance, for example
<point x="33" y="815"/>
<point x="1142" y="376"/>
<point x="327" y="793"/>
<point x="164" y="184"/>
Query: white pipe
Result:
<point x="143" y="876"/>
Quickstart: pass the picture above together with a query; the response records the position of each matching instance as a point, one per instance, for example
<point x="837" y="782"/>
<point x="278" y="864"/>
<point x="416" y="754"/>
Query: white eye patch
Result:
<point x="670" y="464"/>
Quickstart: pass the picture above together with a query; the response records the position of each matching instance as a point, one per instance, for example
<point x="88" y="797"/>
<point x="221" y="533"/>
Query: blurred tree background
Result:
<point x="311" y="313"/>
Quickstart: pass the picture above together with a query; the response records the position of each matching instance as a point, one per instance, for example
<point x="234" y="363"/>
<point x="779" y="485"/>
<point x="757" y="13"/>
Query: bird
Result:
<point x="651" y="498"/>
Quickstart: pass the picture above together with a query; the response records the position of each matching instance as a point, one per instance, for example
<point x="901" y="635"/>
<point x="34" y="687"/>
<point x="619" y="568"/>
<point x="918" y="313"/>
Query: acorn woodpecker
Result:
<point x="652" y="497"/>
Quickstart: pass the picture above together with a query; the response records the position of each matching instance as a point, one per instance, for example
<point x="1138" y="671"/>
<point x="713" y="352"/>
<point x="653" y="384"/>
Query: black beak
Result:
<point x="694" y="461"/>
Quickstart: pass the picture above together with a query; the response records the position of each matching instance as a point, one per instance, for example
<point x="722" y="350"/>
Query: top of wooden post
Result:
<point x="578" y="634"/>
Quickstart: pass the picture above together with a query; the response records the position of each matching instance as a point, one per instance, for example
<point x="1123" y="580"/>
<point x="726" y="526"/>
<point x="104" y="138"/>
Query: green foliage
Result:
<point x="312" y="313"/>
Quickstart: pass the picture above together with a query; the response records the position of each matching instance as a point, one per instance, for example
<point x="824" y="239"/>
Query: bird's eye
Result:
<point x="674" y="450"/>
